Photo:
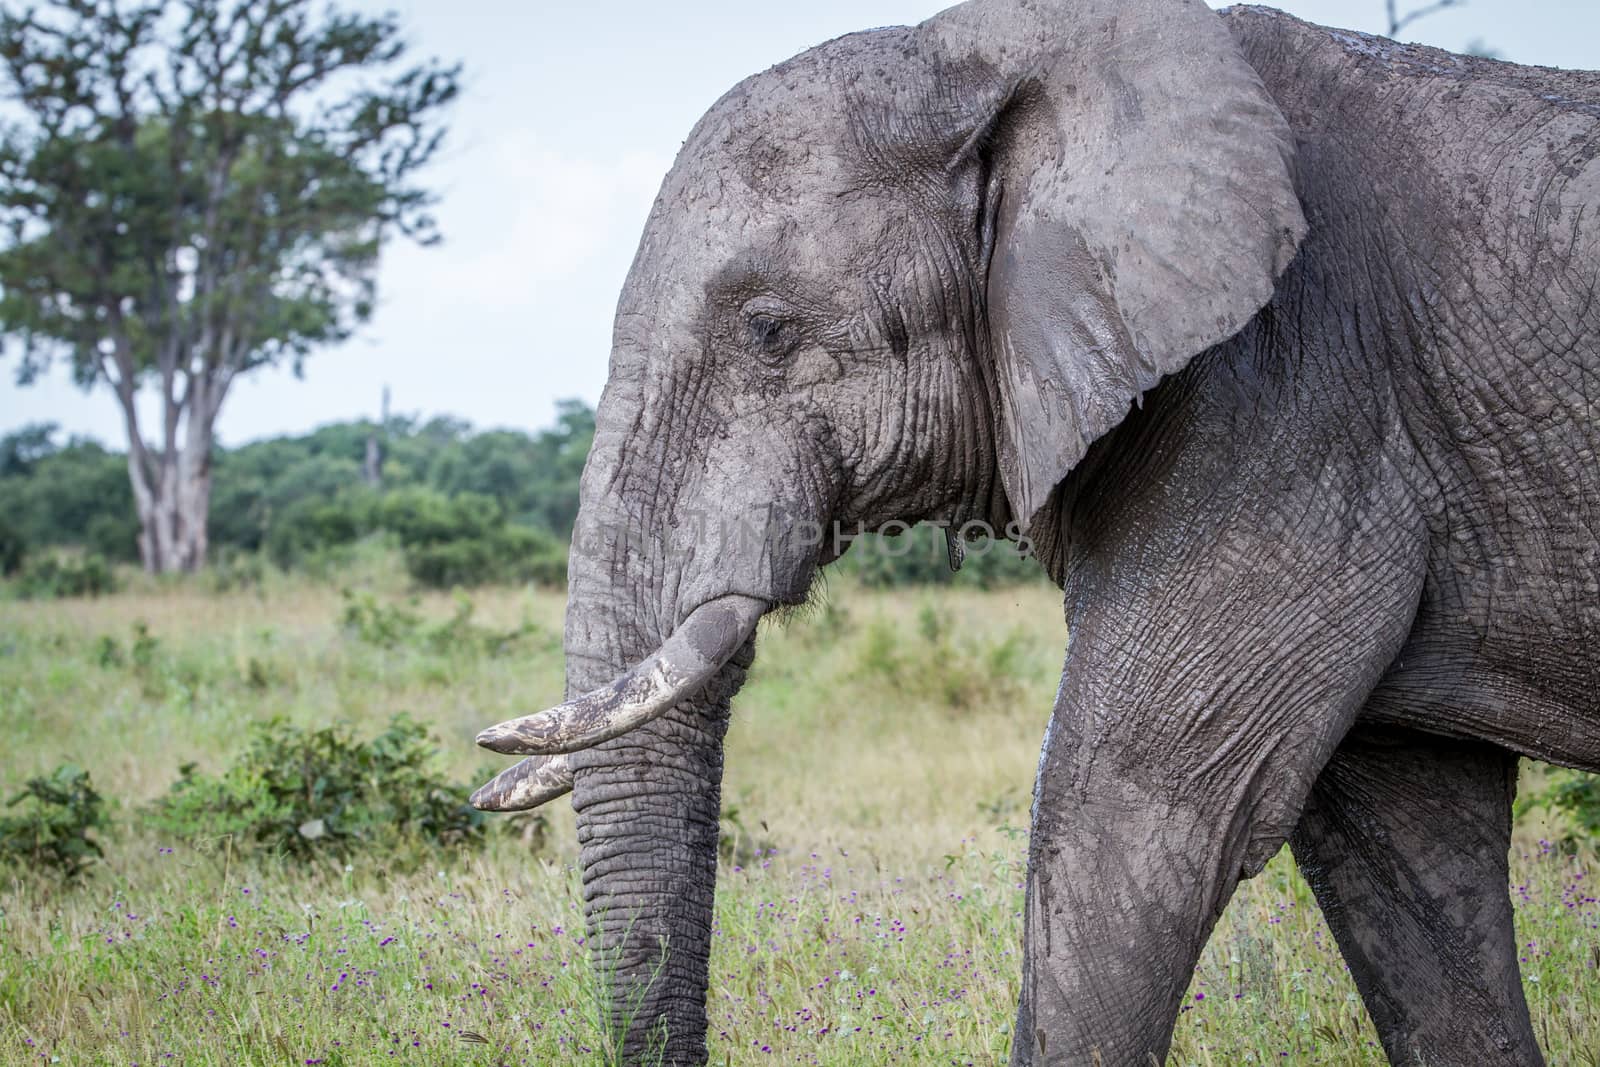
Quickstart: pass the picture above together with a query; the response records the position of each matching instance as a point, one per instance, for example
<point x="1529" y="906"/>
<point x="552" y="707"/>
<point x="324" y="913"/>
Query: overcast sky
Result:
<point x="572" y="112"/>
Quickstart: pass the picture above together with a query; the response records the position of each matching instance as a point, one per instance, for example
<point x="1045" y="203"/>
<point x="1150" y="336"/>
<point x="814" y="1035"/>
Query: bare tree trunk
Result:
<point x="172" y="487"/>
<point x="173" y="509"/>
<point x="144" y="502"/>
<point x="372" y="469"/>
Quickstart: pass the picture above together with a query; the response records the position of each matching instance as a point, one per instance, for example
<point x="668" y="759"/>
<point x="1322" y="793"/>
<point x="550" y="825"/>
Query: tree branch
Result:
<point x="1399" y="22"/>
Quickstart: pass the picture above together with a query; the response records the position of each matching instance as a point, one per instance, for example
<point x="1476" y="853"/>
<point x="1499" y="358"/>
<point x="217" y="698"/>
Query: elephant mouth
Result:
<point x="706" y="640"/>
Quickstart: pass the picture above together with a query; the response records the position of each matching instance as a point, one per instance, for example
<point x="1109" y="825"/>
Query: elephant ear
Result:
<point x="1140" y="208"/>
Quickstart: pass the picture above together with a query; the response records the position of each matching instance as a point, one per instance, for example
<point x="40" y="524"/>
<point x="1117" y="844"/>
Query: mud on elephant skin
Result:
<point x="1276" y="340"/>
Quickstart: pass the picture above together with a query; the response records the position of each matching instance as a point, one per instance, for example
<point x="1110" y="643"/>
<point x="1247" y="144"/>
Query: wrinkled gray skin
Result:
<point x="1326" y="579"/>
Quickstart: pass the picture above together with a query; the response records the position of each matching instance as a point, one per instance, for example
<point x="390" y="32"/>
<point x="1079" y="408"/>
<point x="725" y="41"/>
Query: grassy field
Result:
<point x="878" y="780"/>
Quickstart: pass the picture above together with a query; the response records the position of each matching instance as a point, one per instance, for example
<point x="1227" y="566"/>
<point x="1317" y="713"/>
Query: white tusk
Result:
<point x="708" y="638"/>
<point x="536" y="780"/>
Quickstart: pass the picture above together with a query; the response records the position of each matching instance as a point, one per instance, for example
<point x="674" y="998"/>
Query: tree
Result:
<point x="195" y="189"/>
<point x="1398" y="22"/>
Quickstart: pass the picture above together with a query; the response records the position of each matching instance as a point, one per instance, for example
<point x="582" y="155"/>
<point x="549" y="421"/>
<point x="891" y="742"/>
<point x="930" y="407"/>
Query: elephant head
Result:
<point x="909" y="274"/>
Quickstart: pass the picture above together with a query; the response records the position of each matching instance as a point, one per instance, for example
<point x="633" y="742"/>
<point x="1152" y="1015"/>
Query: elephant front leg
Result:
<point x="1121" y="897"/>
<point x="1139" y="839"/>
<point x="1404" y="842"/>
<point x="1124" y="887"/>
<point x="1192" y="721"/>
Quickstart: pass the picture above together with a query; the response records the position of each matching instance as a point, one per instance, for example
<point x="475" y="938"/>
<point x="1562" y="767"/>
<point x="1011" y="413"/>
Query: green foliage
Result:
<point x="54" y="819"/>
<point x="464" y="508"/>
<point x="390" y="626"/>
<point x="737" y="846"/>
<point x="13" y="549"/>
<point x="375" y="623"/>
<point x="921" y="557"/>
<point x="466" y="540"/>
<point x="145" y="648"/>
<point x="73" y="494"/>
<point x="314" y="792"/>
<point x="51" y="577"/>
<point x="145" y="660"/>
<point x="1575" y="796"/>
<point x="115" y="537"/>
<point x="941" y="668"/>
<point x="236" y="570"/>
<point x="221" y="174"/>
<point x="467" y="508"/>
<point x="192" y="190"/>
<point x="506" y="554"/>
<point x="311" y="526"/>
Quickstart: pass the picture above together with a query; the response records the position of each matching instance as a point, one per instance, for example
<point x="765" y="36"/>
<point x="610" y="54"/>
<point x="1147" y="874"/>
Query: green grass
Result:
<point x="879" y="771"/>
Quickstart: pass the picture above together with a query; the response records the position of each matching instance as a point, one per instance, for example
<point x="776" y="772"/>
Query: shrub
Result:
<point x="374" y="623"/>
<point x="52" y="828"/>
<point x="510" y="554"/>
<point x="921" y="557"/>
<point x="736" y="845"/>
<point x="114" y="536"/>
<point x="236" y="571"/>
<point x="391" y="625"/>
<point x="452" y="563"/>
<point x="459" y="635"/>
<point x="465" y="540"/>
<point x="1575" y="796"/>
<point x="308" y="792"/>
<point x="426" y="517"/>
<point x="313" y="525"/>
<point x="51" y="577"/>
<point x="956" y="672"/>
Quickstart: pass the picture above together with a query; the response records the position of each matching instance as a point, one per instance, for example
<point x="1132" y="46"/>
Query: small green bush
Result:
<point x="113" y="536"/>
<point x="1575" y="796"/>
<point x="446" y="541"/>
<point x="459" y="635"/>
<point x="465" y="540"/>
<point x="737" y="846"/>
<point x="309" y="792"/>
<point x="52" y="577"/>
<point x="452" y="563"/>
<point x="314" y="525"/>
<point x="373" y="622"/>
<point x="51" y="831"/>
<point x="958" y="672"/>
<point x="232" y="571"/>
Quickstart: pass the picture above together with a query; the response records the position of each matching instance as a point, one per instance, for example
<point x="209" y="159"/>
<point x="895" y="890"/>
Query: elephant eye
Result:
<point x="768" y="334"/>
<point x="766" y="331"/>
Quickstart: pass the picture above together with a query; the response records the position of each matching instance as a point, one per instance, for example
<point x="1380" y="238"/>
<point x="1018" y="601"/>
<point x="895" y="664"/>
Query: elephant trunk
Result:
<point x="647" y="806"/>
<point x="655" y="652"/>
<point x="674" y="558"/>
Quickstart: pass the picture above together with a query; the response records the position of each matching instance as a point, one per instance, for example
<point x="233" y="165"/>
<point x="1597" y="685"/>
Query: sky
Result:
<point x="571" y="114"/>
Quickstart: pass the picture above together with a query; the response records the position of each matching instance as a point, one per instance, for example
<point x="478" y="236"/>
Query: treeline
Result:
<point x="463" y="507"/>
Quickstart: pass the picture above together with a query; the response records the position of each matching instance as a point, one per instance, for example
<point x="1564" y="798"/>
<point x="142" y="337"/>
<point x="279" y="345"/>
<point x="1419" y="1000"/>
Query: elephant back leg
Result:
<point x="1404" y="841"/>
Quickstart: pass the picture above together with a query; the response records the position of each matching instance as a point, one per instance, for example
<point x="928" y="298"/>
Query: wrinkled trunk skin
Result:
<point x="647" y="806"/>
<point x="647" y="803"/>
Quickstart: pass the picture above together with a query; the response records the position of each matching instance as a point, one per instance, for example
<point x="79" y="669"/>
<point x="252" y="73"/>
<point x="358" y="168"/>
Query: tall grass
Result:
<point x="879" y="770"/>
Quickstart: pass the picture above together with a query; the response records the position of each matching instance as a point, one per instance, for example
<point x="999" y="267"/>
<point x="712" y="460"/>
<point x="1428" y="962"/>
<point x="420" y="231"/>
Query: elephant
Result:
<point x="1276" y="342"/>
